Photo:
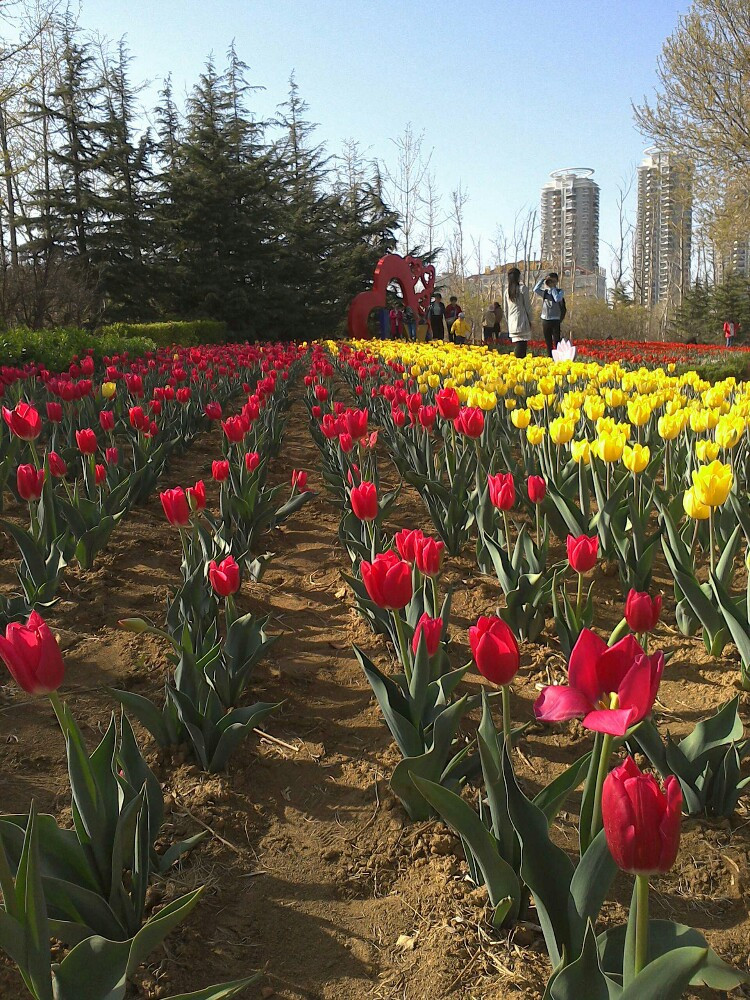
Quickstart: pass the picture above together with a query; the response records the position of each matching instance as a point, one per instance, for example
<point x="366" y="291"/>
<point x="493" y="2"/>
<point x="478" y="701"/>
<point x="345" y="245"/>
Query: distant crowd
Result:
<point x="509" y="324"/>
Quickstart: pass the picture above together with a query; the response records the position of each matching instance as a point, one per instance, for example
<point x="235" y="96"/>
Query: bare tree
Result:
<point x="621" y="262"/>
<point x="405" y="183"/>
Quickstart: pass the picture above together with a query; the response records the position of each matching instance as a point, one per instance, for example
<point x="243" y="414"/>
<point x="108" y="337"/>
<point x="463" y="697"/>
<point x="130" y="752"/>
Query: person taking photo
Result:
<point x="553" y="309"/>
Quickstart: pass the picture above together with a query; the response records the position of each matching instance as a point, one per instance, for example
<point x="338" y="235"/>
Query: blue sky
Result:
<point x="504" y="92"/>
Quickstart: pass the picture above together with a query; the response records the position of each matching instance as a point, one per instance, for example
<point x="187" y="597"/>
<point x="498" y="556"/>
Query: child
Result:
<point x="461" y="329"/>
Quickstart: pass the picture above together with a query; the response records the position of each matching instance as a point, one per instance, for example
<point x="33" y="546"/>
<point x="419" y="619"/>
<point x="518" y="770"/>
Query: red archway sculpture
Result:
<point x="408" y="272"/>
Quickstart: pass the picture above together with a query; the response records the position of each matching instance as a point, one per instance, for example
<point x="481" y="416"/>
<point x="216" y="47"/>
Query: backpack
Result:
<point x="563" y="308"/>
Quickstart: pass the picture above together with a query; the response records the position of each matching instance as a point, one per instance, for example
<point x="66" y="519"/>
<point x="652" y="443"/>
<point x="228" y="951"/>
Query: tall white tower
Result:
<point x="663" y="231"/>
<point x="570" y="220"/>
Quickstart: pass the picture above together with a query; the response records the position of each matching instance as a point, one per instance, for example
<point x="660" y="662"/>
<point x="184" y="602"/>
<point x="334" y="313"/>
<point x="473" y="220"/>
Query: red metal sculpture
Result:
<point x="408" y="272"/>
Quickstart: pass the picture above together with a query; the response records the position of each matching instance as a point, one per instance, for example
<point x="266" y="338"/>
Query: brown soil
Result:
<point x="316" y="875"/>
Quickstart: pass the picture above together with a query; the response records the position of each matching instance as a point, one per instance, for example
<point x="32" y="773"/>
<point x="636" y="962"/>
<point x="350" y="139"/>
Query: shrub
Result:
<point x="186" y="333"/>
<point x="55" y="349"/>
<point x="715" y="371"/>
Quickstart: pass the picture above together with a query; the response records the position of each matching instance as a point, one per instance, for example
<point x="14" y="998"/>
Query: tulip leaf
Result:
<point x="149" y="716"/>
<point x="223" y="992"/>
<point x="665" y="938"/>
<point x="545" y="868"/>
<point x="394" y="706"/>
<point x="590" y="884"/>
<point x="501" y="881"/>
<point x="552" y="797"/>
<point x="584" y="976"/>
<point x="31" y="910"/>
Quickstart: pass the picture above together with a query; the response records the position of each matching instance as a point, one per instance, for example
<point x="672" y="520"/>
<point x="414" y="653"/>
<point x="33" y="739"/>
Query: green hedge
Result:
<point x="55" y="349"/>
<point x="186" y="333"/>
<point x="737" y="365"/>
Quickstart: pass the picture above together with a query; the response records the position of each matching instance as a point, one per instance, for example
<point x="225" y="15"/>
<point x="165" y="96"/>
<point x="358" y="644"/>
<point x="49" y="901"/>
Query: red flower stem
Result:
<point x="507" y="534"/>
<point x="59" y="710"/>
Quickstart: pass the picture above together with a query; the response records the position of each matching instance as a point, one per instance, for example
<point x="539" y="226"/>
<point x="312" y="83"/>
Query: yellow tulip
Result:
<point x="728" y="433"/>
<point x="510" y="403"/>
<point x="561" y="430"/>
<point x="609" y="447"/>
<point x="693" y="507"/>
<point x="534" y="434"/>
<point x="581" y="451"/>
<point x="706" y="451"/>
<point x="614" y="397"/>
<point x="594" y="407"/>
<point x="712" y="483"/>
<point x="669" y="427"/>
<point x="639" y="412"/>
<point x="546" y="385"/>
<point x="108" y="389"/>
<point x="636" y="459"/>
<point x="521" y="418"/>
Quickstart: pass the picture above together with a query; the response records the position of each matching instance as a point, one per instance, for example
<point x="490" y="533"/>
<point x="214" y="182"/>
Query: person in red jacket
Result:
<point x="730" y="332"/>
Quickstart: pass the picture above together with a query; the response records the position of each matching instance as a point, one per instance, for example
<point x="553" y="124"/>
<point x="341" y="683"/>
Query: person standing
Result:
<point x="498" y="311"/>
<point x="730" y="332"/>
<point x="397" y="323"/>
<point x="383" y="322"/>
<point x="452" y="311"/>
<point x="410" y="321"/>
<point x="461" y="329"/>
<point x="518" y="312"/>
<point x="436" y="317"/>
<point x="553" y="309"/>
<point x="489" y="321"/>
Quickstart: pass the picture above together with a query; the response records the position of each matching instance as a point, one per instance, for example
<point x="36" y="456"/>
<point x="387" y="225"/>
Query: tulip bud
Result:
<point x="495" y="650"/>
<point x="220" y="470"/>
<point x="431" y="630"/>
<point x="641" y="822"/>
<point x="32" y="655"/>
<point x="388" y="581"/>
<point x="502" y="490"/>
<point x="582" y="552"/>
<point x="537" y="489"/>
<point x="224" y="576"/>
<point x="299" y="480"/>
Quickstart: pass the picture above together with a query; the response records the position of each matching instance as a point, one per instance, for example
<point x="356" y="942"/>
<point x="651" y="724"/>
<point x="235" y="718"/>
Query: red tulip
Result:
<point x="32" y="656"/>
<point x="495" y="650"/>
<point x="86" y="441"/>
<point x="364" y="501"/>
<point x="427" y="416"/>
<point x="642" y="611"/>
<point x="176" y="506"/>
<point x="321" y="393"/>
<point x="387" y="580"/>
<point x="100" y="474"/>
<point x="398" y="416"/>
<point x="220" y="470"/>
<point x="213" y="411"/>
<point x="431" y="629"/>
<point x="252" y="461"/>
<point x="356" y="423"/>
<point x="299" y="480"/>
<point x="346" y="442"/>
<point x="54" y="412"/>
<point x="408" y="541"/>
<point x="537" y="489"/>
<point x="183" y="395"/>
<point x="448" y="404"/>
<point x="502" y="490"/>
<point x="138" y="419"/>
<point x="582" y="552"/>
<point x="196" y="495"/>
<point x="29" y="482"/>
<point x="234" y="428"/>
<point x="430" y="556"/>
<point x="24" y="421"/>
<point x="316" y="411"/>
<point x="470" y="422"/>
<point x="57" y="466"/>
<point x="641" y="822"/>
<point x="610" y="688"/>
<point x="107" y="420"/>
<point x="111" y="456"/>
<point x="224" y="576"/>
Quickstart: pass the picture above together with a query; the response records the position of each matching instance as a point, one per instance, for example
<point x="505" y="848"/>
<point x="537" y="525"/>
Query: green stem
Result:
<point x="579" y="596"/>
<point x="505" y="689"/>
<point x="711" y="540"/>
<point x="601" y="774"/>
<point x="641" y="924"/>
<point x="403" y="648"/>
<point x="507" y="534"/>
<point x="59" y="709"/>
<point x="538" y="539"/>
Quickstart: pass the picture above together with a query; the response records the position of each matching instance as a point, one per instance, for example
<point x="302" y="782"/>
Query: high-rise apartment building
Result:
<point x="570" y="219"/>
<point x="734" y="259"/>
<point x="663" y="231"/>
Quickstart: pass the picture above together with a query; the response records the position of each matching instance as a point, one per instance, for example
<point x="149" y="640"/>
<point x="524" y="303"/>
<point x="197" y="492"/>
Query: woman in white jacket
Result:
<point x="518" y="312"/>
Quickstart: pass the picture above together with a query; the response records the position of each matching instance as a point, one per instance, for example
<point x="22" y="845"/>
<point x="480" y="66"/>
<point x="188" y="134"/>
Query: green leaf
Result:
<point x="584" y="977"/>
<point x="223" y="992"/>
<point x="32" y="914"/>
<point x="551" y="798"/>
<point x="501" y="881"/>
<point x="667" y="977"/>
<point x="589" y="886"/>
<point x="394" y="706"/>
<point x="545" y="868"/>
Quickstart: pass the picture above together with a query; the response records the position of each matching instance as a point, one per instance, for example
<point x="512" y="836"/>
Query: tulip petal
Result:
<point x="616" y="661"/>
<point x="582" y="667"/>
<point x="615" y="721"/>
<point x="638" y="688"/>
<point x="558" y="703"/>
